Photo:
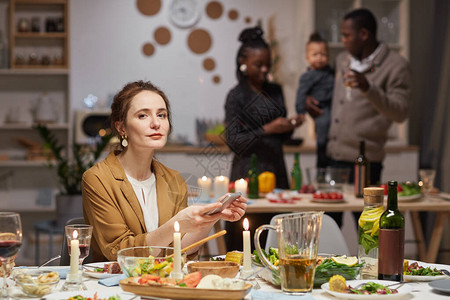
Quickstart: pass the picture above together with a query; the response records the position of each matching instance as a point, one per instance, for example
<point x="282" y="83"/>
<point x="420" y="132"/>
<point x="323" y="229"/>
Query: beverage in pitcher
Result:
<point x="297" y="274"/>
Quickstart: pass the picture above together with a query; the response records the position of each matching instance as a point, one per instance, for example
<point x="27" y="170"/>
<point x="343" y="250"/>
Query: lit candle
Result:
<point x="220" y="186"/>
<point x="247" y="265"/>
<point x="74" y="253"/>
<point x="240" y="185"/>
<point x="204" y="184"/>
<point x="176" y="273"/>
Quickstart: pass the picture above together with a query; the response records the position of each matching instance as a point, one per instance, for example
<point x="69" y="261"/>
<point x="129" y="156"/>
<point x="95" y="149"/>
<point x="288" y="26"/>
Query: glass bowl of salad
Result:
<point x="138" y="261"/>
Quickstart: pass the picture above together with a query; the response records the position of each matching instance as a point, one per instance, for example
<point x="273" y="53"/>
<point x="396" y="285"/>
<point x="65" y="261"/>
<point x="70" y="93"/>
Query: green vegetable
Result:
<point x="372" y="288"/>
<point x="409" y="188"/>
<point x="100" y="270"/>
<point x="368" y="241"/>
<point x="329" y="268"/>
<point x="423" y="272"/>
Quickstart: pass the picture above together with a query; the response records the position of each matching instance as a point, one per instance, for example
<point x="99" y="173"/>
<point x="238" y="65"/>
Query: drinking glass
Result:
<point x="10" y="242"/>
<point x="83" y="235"/>
<point x="348" y="84"/>
<point x="298" y="241"/>
<point x="427" y="178"/>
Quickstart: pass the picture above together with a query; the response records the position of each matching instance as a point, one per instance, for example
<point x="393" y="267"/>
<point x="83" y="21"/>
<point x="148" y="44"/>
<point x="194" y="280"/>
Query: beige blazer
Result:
<point x="112" y="208"/>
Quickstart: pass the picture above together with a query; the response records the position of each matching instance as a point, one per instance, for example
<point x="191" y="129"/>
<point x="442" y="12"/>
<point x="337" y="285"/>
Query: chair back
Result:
<point x="65" y="257"/>
<point x="331" y="240"/>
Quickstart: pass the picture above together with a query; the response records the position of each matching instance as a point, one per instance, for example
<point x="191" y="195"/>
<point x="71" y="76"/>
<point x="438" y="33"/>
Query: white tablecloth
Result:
<point x="420" y="290"/>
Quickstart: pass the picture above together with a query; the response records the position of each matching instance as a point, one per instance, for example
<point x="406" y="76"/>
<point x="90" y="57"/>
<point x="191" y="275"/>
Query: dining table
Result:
<point x="438" y="203"/>
<point x="261" y="289"/>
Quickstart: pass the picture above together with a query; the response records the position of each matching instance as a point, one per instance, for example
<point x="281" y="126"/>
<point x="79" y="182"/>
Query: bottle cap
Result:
<point x="373" y="195"/>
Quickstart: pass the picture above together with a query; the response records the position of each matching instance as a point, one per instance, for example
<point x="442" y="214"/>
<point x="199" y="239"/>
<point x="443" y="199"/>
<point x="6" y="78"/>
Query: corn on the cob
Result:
<point x="235" y="256"/>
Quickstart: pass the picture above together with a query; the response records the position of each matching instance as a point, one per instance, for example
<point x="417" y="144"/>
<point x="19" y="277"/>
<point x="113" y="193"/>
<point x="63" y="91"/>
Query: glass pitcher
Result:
<point x="298" y="241"/>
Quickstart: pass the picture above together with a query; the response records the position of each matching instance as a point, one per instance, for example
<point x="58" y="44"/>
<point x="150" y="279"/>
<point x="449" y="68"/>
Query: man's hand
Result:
<point x="279" y="125"/>
<point x="312" y="107"/>
<point x="357" y="80"/>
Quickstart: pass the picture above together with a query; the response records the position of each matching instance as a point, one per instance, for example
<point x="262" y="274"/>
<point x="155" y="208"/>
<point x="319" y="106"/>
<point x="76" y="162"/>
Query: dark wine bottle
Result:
<point x="391" y="239"/>
<point x="296" y="174"/>
<point x="253" y="186"/>
<point x="361" y="179"/>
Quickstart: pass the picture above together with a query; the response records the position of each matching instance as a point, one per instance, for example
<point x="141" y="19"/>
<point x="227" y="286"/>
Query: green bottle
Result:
<point x="391" y="239"/>
<point x="296" y="174"/>
<point x="253" y="187"/>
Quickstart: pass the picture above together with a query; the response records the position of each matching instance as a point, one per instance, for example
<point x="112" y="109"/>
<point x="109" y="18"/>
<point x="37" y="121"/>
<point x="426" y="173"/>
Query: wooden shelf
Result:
<point x="335" y="45"/>
<point x="42" y="70"/>
<point x="30" y="127"/>
<point x="41" y="1"/>
<point x="24" y="163"/>
<point x="40" y="35"/>
<point x="40" y="67"/>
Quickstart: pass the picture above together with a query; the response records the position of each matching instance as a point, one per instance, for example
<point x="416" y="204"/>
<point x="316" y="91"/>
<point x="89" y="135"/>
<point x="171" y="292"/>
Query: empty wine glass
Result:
<point x="10" y="242"/>
<point x="427" y="178"/>
<point x="83" y="235"/>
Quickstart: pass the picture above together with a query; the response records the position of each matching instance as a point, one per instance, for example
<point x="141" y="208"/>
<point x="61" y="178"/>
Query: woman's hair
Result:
<point x="251" y="38"/>
<point x="122" y="102"/>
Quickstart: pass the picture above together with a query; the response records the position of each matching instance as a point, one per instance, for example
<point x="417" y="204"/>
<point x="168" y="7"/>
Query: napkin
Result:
<point x="112" y="281"/>
<point x="263" y="295"/>
<point x="62" y="272"/>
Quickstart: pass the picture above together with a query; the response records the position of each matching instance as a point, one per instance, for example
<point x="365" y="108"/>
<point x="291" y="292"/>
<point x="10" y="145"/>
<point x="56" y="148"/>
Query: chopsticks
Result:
<point x="202" y="241"/>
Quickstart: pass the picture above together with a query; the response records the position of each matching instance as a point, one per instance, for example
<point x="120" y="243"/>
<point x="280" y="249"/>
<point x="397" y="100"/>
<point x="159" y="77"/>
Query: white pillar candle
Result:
<point x="220" y="186"/>
<point x="204" y="184"/>
<point x="176" y="272"/>
<point x="240" y="185"/>
<point x="74" y="253"/>
<point x="247" y="265"/>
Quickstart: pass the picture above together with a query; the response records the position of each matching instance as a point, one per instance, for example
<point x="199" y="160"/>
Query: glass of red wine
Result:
<point x="10" y="242"/>
<point x="83" y="234"/>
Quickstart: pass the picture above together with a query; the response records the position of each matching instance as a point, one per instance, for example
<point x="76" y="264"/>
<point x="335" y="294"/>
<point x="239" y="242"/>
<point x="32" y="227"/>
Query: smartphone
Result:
<point x="226" y="201"/>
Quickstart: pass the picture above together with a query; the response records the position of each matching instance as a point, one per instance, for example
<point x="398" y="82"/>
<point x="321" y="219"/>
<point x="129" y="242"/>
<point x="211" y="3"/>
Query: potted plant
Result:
<point x="70" y="171"/>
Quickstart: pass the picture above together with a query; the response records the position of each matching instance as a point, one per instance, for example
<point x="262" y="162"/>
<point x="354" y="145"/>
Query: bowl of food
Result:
<point x="36" y="282"/>
<point x="224" y="269"/>
<point x="137" y="261"/>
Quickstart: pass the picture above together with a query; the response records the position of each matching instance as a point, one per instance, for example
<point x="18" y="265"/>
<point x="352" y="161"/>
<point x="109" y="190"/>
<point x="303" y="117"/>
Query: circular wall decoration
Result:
<point x="248" y="20"/>
<point x="216" y="79"/>
<point x="233" y="14"/>
<point x="184" y="13"/>
<point x="199" y="41"/>
<point x="209" y="64"/>
<point x="149" y="7"/>
<point x="148" y="49"/>
<point x="162" y="35"/>
<point x="214" y="9"/>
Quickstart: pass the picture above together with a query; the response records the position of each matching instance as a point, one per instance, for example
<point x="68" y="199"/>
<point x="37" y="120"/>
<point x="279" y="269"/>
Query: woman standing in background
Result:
<point x="255" y="121"/>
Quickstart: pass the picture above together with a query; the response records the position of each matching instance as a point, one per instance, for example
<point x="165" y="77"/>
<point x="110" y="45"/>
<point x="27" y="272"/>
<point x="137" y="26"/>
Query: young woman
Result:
<point x="130" y="198"/>
<point x="255" y="117"/>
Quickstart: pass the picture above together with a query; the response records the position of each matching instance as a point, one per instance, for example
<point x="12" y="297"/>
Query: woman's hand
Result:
<point x="235" y="211"/>
<point x="279" y="125"/>
<point x="297" y="120"/>
<point x="195" y="217"/>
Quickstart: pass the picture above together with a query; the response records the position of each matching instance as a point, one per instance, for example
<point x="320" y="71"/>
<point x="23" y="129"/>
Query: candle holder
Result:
<point x="74" y="282"/>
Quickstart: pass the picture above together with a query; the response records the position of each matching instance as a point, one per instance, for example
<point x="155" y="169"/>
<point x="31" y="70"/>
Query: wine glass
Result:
<point x="10" y="242"/>
<point x="427" y="178"/>
<point x="83" y="235"/>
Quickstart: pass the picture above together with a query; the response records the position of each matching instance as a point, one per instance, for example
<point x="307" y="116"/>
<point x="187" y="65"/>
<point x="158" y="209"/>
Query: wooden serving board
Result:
<point x="176" y="292"/>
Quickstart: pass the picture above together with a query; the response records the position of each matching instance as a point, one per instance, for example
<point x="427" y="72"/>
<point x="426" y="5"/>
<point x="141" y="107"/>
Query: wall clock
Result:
<point x="184" y="13"/>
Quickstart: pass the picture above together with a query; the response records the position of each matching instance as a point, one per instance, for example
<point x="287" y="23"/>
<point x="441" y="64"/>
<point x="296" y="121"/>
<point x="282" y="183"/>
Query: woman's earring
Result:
<point x="124" y="141"/>
<point x="243" y="68"/>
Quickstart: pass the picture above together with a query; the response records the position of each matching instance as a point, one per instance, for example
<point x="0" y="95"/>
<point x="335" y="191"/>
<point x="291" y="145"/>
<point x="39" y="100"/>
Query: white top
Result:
<point x="366" y="63"/>
<point x="146" y="193"/>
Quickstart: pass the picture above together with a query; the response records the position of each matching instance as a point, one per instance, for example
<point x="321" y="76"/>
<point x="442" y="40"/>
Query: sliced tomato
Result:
<point x="147" y="278"/>
<point x="192" y="279"/>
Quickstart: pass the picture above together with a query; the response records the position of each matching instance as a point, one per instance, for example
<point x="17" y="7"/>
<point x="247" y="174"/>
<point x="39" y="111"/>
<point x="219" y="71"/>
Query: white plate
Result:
<point x="423" y="278"/>
<point x="97" y="275"/>
<point x="407" y="198"/>
<point x="402" y="290"/>
<point x="100" y="295"/>
<point x="441" y="285"/>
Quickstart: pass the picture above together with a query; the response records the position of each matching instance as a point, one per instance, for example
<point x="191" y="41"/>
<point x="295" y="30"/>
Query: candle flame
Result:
<point x="246" y="225"/>
<point x="221" y="178"/>
<point x="241" y="180"/>
<point x="204" y="178"/>
<point x="75" y="234"/>
<point x="176" y="226"/>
